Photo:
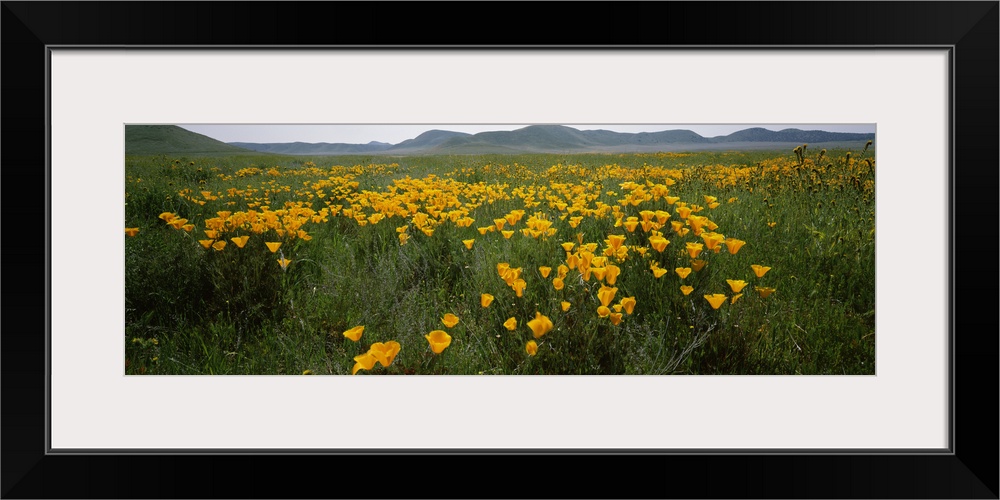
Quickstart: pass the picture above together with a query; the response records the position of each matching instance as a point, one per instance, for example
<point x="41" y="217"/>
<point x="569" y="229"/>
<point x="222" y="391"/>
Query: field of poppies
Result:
<point x="746" y="262"/>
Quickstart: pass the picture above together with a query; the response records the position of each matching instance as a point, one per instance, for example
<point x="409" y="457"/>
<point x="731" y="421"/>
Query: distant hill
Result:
<point x="791" y="135"/>
<point x="307" y="148"/>
<point x="171" y="139"/>
<point x="163" y="139"/>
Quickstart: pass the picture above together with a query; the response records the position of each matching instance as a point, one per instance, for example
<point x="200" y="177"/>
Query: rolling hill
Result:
<point x="171" y="139"/>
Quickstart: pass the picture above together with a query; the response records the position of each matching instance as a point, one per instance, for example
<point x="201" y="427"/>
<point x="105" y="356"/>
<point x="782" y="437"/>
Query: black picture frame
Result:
<point x="969" y="470"/>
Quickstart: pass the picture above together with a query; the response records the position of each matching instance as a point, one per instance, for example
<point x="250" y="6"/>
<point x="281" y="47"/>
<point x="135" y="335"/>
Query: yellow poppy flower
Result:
<point x="603" y="311"/>
<point x="715" y="300"/>
<point x="540" y="325"/>
<point x="764" y="291"/>
<point x="565" y="305"/>
<point x="606" y="295"/>
<point x="629" y="304"/>
<point x="531" y="348"/>
<point x="355" y="333"/>
<point x="545" y="270"/>
<point x="615" y="318"/>
<point x="385" y="353"/>
<point x="683" y="272"/>
<point x="562" y="270"/>
<point x="510" y="324"/>
<point x="568" y="245"/>
<point x="733" y="301"/>
<point x="283" y="262"/>
<point x="468" y="243"/>
<point x="612" y="274"/>
<point x="131" y="231"/>
<point x="507" y="234"/>
<point x="273" y="245"/>
<point x="219" y="245"/>
<point x="687" y="289"/>
<point x="206" y="243"/>
<point x="449" y="320"/>
<point x="616" y="240"/>
<point x="558" y="283"/>
<point x="240" y="241"/>
<point x="736" y="285"/>
<point x="519" y="285"/>
<point x="403" y="237"/>
<point x="698" y="265"/>
<point x="694" y="249"/>
<point x="659" y="243"/>
<point x="363" y="362"/>
<point x="734" y="245"/>
<point x="438" y="340"/>
<point x="759" y="270"/>
<point x="188" y="227"/>
<point x="486" y="299"/>
<point x="212" y="233"/>
<point x="167" y="216"/>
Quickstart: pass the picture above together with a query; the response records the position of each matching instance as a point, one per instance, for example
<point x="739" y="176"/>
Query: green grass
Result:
<point x="236" y="312"/>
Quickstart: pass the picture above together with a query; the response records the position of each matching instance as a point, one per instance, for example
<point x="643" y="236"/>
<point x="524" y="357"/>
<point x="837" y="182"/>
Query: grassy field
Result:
<point x="755" y="262"/>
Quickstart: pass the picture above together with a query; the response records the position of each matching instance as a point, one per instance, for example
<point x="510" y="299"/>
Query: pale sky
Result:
<point x="394" y="134"/>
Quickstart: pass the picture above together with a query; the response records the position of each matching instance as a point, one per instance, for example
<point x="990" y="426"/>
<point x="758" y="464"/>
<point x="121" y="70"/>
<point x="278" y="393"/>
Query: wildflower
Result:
<point x="355" y="333"/>
<point x="606" y="295"/>
<point x="507" y="234"/>
<point x="759" y="270"/>
<point x="612" y="274"/>
<point x="616" y="240"/>
<point x="131" y="231"/>
<point x="687" y="289"/>
<point x="764" y="291"/>
<point x="683" y="272"/>
<point x="694" y="249"/>
<point x="188" y="227"/>
<point x="283" y="262"/>
<point x="603" y="311"/>
<point x="510" y="324"/>
<point x="486" y="299"/>
<point x="273" y="245"/>
<point x="438" y="340"/>
<point x="698" y="265"/>
<point x="659" y="271"/>
<point x="449" y="320"/>
<point x="715" y="300"/>
<point x="519" y="285"/>
<point x="545" y="271"/>
<point x="568" y="245"/>
<point x="628" y="303"/>
<point x="240" y="241"/>
<point x="736" y="285"/>
<point x="733" y="301"/>
<point x="540" y="325"/>
<point x="615" y="318"/>
<point x="772" y="224"/>
<point x="468" y="243"/>
<point x="384" y="353"/>
<point x="206" y="243"/>
<point x="402" y="238"/>
<point x="307" y="372"/>
<point x="734" y="245"/>
<point x="558" y="283"/>
<point x="659" y="243"/>
<point x="167" y="216"/>
<point x="363" y="362"/>
<point x="219" y="245"/>
<point x="562" y="270"/>
<point x="212" y="233"/>
<point x="565" y="305"/>
<point x="531" y="348"/>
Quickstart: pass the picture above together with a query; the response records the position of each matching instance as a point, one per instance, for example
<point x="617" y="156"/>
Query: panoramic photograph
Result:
<point x="499" y="249"/>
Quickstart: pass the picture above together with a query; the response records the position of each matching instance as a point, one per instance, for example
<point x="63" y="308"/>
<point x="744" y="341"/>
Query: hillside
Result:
<point x="171" y="139"/>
